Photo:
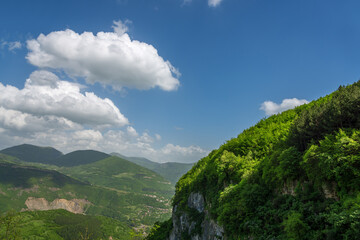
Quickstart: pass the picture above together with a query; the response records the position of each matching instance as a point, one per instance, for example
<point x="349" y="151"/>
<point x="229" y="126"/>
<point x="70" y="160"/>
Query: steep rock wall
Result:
<point x="201" y="227"/>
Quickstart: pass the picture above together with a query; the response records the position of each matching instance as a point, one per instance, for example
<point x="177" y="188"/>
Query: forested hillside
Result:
<point x="294" y="175"/>
<point x="171" y="171"/>
<point x="129" y="196"/>
<point x="61" y="224"/>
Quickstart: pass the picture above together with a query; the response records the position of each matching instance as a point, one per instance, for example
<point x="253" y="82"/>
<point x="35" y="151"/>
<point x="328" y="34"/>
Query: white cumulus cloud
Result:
<point x="109" y="58"/>
<point x="214" y="3"/>
<point x="45" y="95"/>
<point x="145" y="138"/>
<point x="17" y="121"/>
<point x="271" y="108"/>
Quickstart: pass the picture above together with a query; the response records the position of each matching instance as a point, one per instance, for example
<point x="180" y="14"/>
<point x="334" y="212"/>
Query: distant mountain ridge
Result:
<point x="80" y="157"/>
<point x="172" y="171"/>
<point x="83" y="181"/>
<point x="32" y="153"/>
<point x="49" y="155"/>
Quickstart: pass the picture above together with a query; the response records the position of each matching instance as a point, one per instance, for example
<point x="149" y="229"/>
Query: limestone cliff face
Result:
<point x="200" y="228"/>
<point x="74" y="205"/>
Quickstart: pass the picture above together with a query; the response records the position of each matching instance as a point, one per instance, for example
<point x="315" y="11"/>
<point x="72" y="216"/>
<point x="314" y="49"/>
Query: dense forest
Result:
<point x="294" y="175"/>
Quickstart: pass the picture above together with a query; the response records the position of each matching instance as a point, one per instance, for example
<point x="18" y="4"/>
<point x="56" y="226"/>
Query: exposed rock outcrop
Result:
<point x="196" y="200"/>
<point x="328" y="189"/>
<point x="185" y="225"/>
<point x="289" y="188"/>
<point x="74" y="205"/>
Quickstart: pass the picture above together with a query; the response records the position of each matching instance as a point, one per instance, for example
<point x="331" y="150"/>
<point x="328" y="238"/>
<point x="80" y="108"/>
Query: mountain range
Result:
<point x="85" y="181"/>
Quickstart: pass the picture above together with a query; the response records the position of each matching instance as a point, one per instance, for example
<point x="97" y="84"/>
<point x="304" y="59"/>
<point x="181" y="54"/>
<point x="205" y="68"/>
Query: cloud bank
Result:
<point x="49" y="111"/>
<point x="271" y="108"/>
<point x="108" y="58"/>
<point x="45" y="95"/>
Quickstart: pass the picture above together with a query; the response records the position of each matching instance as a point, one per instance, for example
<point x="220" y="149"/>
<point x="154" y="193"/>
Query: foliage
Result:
<point x="294" y="226"/>
<point x="294" y="175"/>
<point x="160" y="230"/>
<point x="341" y="109"/>
<point x="60" y="224"/>
<point x="336" y="159"/>
<point x="9" y="226"/>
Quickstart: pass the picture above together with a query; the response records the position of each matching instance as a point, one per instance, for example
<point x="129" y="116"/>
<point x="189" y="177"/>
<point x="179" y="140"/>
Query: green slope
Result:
<point x="120" y="174"/>
<point x="80" y="157"/>
<point x="31" y="153"/>
<point x="18" y="182"/>
<point x="61" y="224"/>
<point x="295" y="175"/>
<point x="171" y="171"/>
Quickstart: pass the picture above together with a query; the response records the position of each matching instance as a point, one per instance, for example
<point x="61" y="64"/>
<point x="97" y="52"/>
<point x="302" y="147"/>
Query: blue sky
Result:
<point x="203" y="71"/>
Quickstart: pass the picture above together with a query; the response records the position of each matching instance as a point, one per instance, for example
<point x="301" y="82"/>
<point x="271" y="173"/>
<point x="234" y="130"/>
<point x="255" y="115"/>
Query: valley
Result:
<point x="85" y="182"/>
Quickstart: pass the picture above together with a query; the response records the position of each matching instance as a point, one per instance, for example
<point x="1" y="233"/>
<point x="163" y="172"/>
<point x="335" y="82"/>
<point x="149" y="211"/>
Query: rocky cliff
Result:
<point x="194" y="222"/>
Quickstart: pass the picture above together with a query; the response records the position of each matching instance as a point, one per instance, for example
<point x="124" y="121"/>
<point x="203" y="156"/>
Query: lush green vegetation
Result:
<point x="18" y="182"/>
<point x="60" y="224"/>
<point x="117" y="173"/>
<point x="171" y="171"/>
<point x="294" y="175"/>
<point x="160" y="230"/>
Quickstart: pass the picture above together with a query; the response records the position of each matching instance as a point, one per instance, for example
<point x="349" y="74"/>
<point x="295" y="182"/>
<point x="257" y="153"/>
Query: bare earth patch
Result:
<point x="74" y="205"/>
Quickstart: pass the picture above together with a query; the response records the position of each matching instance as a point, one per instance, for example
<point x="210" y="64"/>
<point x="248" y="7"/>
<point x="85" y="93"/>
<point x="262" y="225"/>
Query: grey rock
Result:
<point x="196" y="200"/>
<point x="182" y="224"/>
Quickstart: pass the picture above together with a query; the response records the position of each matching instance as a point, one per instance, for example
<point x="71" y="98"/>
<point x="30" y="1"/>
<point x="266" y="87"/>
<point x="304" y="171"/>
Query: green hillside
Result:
<point x="80" y="157"/>
<point x="61" y="224"/>
<point x="117" y="173"/>
<point x="31" y="153"/>
<point x="171" y="171"/>
<point x="19" y="183"/>
<point x="295" y="175"/>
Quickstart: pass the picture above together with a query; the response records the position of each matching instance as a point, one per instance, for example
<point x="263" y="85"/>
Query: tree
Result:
<point x="9" y="226"/>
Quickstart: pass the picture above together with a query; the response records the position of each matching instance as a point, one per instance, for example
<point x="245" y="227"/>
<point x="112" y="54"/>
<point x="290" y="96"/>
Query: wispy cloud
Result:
<point x="186" y="2"/>
<point x="214" y="3"/>
<point x="271" y="108"/>
<point x="11" y="46"/>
